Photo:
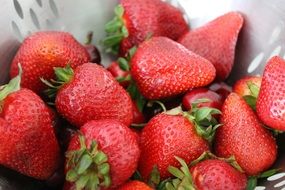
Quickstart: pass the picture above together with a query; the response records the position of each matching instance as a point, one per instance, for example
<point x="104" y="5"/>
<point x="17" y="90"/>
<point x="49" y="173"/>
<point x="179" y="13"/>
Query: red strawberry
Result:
<point x="41" y="52"/>
<point x="138" y="116"/>
<point x="221" y="88"/>
<point x="136" y="20"/>
<point x="270" y="105"/>
<point x="29" y="145"/>
<point x="217" y="175"/>
<point x="216" y="42"/>
<point x="94" y="53"/>
<point x="164" y="137"/>
<point x="244" y="137"/>
<point x="163" y="68"/>
<point x="91" y="93"/>
<point x="119" y="74"/>
<point x="215" y="100"/>
<point x="134" y="185"/>
<point x="105" y="153"/>
<point x="241" y="87"/>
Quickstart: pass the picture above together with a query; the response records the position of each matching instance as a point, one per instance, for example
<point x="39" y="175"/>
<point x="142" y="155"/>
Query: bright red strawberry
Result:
<point x="244" y="137"/>
<point x="163" y="68"/>
<point x="136" y="20"/>
<point x="29" y="145"/>
<point x="215" y="100"/>
<point x="270" y="105"/>
<point x="105" y="153"/>
<point x="241" y="87"/>
<point x="164" y="137"/>
<point x="119" y="74"/>
<point x="217" y="175"/>
<point x="91" y="93"/>
<point x="216" y="42"/>
<point x="41" y="52"/>
<point x="135" y="185"/>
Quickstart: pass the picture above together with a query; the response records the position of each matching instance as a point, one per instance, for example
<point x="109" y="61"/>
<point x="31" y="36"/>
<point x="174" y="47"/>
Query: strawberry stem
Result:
<point x="88" y="167"/>
<point x="12" y="86"/>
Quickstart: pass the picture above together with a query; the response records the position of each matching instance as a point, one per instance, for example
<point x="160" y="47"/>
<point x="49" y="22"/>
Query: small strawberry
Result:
<point x="248" y="88"/>
<point x="136" y="20"/>
<point x="135" y="185"/>
<point x="216" y="42"/>
<point x="221" y="88"/>
<point x="41" y="52"/>
<point x="123" y="77"/>
<point x="163" y="68"/>
<point x="270" y="105"/>
<point x="138" y="116"/>
<point x="28" y="141"/>
<point x="244" y="137"/>
<point x="103" y="155"/>
<point x="93" y="51"/>
<point x="91" y="93"/>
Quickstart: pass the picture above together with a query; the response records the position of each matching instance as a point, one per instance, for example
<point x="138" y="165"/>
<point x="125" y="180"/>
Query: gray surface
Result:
<point x="261" y="37"/>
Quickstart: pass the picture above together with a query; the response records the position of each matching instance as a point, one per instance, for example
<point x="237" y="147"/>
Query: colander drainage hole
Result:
<point x="18" y="9"/>
<point x="35" y="19"/>
<point x="53" y="7"/>
<point x="16" y="30"/>
<point x="39" y="2"/>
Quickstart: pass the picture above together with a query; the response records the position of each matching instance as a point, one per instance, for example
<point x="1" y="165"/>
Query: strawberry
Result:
<point x="163" y="68"/>
<point x="134" y="185"/>
<point x="244" y="137"/>
<point x="136" y="20"/>
<point x="103" y="155"/>
<point x="164" y="137"/>
<point x="91" y="93"/>
<point x="119" y="74"/>
<point x="214" y="99"/>
<point x="221" y="88"/>
<point x="138" y="116"/>
<point x="270" y="105"/>
<point x="41" y="52"/>
<point x="216" y="42"/>
<point x="216" y="174"/>
<point x="29" y="144"/>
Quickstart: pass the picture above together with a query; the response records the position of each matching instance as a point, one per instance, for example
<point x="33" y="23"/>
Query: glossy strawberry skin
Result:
<point x="163" y="68"/>
<point x="26" y="131"/>
<point x="117" y="72"/>
<point x="117" y="141"/>
<point x="150" y="17"/>
<point x="164" y="137"/>
<point x="41" y="52"/>
<point x="216" y="42"/>
<point x="241" y="86"/>
<point x="243" y="136"/>
<point x="217" y="175"/>
<point x="138" y="116"/>
<point x="215" y="100"/>
<point x="270" y="105"/>
<point x="93" y="94"/>
<point x="134" y="185"/>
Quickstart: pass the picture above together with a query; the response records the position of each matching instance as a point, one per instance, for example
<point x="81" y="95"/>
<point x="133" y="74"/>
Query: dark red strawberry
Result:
<point x="136" y="20"/>
<point x="244" y="137"/>
<point x="91" y="93"/>
<point x="163" y="68"/>
<point x="105" y="153"/>
<point x="119" y="74"/>
<point x="164" y="137"/>
<point x="138" y="116"/>
<point x="41" y="52"/>
<point x="242" y="86"/>
<point x="214" y="99"/>
<point x="135" y="185"/>
<point x="29" y="145"/>
<point x="94" y="53"/>
<point x="216" y="42"/>
<point x="221" y="88"/>
<point x="270" y="105"/>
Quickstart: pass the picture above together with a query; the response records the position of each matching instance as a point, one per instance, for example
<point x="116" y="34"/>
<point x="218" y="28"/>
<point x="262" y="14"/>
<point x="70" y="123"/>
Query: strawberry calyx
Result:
<point x="252" y="98"/>
<point x="63" y="75"/>
<point x="116" y="31"/>
<point x="252" y="180"/>
<point x="202" y="117"/>
<point x="88" y="167"/>
<point x="13" y="86"/>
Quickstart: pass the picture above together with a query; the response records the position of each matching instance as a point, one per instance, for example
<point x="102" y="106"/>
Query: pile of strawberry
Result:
<point x="159" y="117"/>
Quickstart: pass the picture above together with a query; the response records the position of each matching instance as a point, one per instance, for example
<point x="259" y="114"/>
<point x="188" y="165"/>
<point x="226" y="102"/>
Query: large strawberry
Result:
<point x="134" y="185"/>
<point x="216" y="41"/>
<point x="244" y="137"/>
<point x="91" y="93"/>
<point x="103" y="155"/>
<point x="164" y="137"/>
<point x="28" y="142"/>
<point x="41" y="52"/>
<point x="163" y="68"/>
<point x="270" y="105"/>
<point x="136" y="20"/>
